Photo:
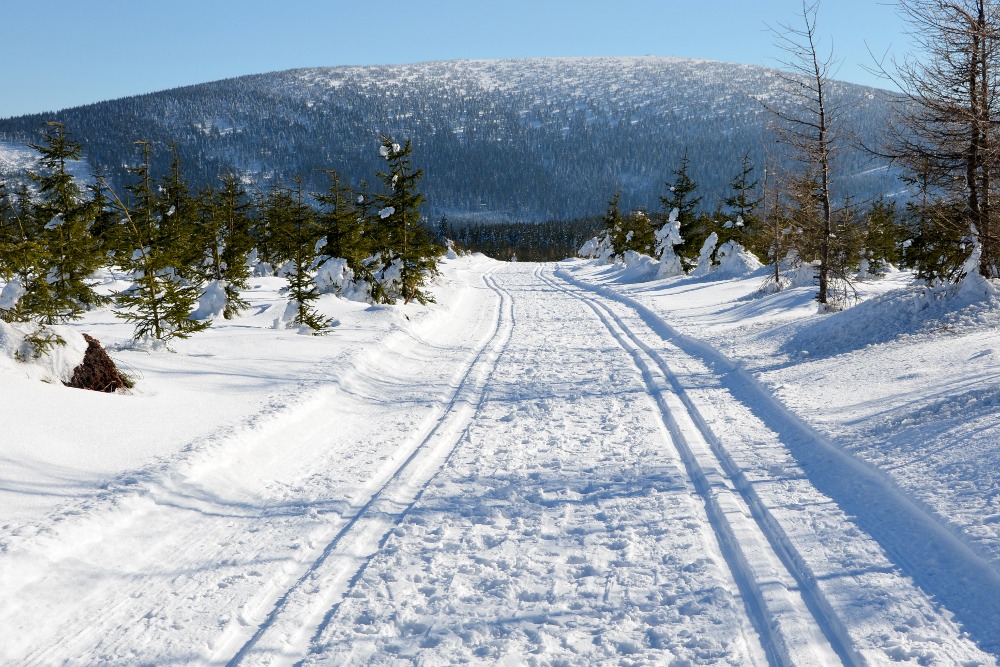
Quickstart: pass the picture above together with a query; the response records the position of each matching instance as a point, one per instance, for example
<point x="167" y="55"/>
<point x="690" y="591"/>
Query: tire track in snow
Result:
<point x="301" y="612"/>
<point x="903" y="622"/>
<point x="794" y="624"/>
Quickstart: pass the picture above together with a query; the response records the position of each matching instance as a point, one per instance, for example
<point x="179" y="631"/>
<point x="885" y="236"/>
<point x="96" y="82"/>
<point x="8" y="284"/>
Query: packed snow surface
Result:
<point x="552" y="465"/>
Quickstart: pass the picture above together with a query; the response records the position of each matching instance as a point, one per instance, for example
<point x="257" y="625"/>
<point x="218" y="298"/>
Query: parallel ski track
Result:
<point x="778" y="640"/>
<point x="911" y="534"/>
<point x="367" y="529"/>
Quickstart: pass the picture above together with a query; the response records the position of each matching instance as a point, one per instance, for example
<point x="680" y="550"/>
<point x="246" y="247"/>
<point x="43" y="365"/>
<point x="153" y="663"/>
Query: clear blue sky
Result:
<point x="63" y="53"/>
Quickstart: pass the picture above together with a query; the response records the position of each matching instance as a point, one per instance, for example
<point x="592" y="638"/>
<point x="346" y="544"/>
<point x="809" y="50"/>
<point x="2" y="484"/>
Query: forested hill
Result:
<point x="498" y="140"/>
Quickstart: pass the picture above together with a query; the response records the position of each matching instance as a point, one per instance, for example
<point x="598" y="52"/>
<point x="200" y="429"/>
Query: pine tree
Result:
<point x="177" y="214"/>
<point x="411" y="249"/>
<point x="70" y="254"/>
<point x="681" y="196"/>
<point x="226" y="232"/>
<point x="344" y="230"/>
<point x="808" y="125"/>
<point x="22" y="260"/>
<point x="159" y="302"/>
<point x="302" y="290"/>
<point x="948" y="132"/>
<point x="742" y="203"/>
<point x="882" y="236"/>
<point x="614" y="228"/>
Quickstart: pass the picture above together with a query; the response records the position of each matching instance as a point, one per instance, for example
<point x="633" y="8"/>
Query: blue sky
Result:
<point x="63" y="53"/>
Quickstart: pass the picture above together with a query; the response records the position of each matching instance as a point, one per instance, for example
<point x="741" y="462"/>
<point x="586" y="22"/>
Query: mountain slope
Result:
<point x="509" y="139"/>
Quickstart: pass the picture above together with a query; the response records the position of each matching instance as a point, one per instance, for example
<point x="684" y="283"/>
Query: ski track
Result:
<point x="562" y="531"/>
<point x="559" y="478"/>
<point x="865" y="554"/>
<point x="777" y="594"/>
<point x="299" y="614"/>
<point x="185" y="562"/>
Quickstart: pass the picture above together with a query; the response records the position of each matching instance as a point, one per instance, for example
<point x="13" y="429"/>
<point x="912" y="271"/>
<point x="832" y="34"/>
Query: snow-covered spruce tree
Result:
<point x="225" y="227"/>
<point x="340" y="221"/>
<point x="159" y="301"/>
<point x="412" y="252"/>
<point x="681" y="197"/>
<point x="304" y="234"/>
<point x="70" y="254"/>
<point x="742" y="205"/>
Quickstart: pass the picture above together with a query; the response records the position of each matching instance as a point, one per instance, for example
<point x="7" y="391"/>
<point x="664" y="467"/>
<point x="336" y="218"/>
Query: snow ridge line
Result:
<point x="364" y="533"/>
<point x="771" y="595"/>
<point x="920" y="544"/>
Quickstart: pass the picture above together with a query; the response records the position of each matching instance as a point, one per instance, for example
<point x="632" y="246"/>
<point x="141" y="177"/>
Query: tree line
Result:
<point x="188" y="254"/>
<point x="943" y="137"/>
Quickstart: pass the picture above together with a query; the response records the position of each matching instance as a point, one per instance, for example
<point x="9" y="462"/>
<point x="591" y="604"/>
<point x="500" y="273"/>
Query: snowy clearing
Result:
<point x="552" y="465"/>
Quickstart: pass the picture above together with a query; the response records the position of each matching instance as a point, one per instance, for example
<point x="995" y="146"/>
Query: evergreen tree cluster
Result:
<point x="189" y="254"/>
<point x="866" y="240"/>
<point x="523" y="241"/>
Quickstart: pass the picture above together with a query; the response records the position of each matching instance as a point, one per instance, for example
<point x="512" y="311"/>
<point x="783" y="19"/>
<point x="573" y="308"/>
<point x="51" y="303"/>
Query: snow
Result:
<point x="573" y="463"/>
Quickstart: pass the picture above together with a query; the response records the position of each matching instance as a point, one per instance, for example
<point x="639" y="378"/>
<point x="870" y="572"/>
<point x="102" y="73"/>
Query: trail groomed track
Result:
<point x="553" y="476"/>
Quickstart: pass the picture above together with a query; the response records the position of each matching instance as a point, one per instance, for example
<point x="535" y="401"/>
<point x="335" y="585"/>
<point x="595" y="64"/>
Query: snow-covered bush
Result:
<point x="668" y="237"/>
<point x="735" y="260"/>
<point x="599" y="248"/>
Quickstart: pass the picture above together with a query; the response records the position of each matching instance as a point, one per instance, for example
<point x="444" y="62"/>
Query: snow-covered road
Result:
<point x="544" y="473"/>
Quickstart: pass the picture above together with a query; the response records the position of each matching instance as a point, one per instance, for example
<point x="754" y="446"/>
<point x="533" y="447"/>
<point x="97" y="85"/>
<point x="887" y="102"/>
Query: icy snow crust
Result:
<point x="552" y="465"/>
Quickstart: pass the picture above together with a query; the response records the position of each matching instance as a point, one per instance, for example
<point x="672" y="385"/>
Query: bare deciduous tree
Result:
<point x="804" y="123"/>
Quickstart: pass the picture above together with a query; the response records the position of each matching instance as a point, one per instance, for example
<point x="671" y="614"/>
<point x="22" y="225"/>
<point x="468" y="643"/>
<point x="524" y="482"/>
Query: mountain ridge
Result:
<point x="503" y="139"/>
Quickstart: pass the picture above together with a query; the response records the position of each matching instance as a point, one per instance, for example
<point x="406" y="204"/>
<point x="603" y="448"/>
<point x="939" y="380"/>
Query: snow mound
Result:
<point x="735" y="260"/>
<point x="899" y="314"/>
<point x="334" y="276"/>
<point x="212" y="301"/>
<point x="54" y="367"/>
<point x="637" y="268"/>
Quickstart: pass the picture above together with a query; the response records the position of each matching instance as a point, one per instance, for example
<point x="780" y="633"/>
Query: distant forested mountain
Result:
<point x="507" y="140"/>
